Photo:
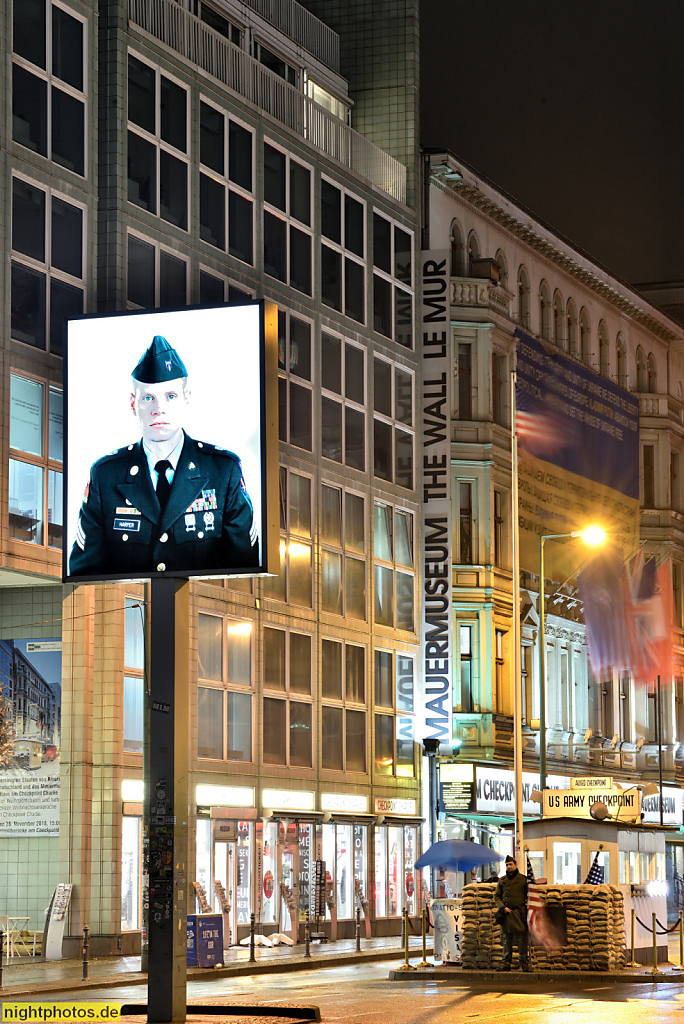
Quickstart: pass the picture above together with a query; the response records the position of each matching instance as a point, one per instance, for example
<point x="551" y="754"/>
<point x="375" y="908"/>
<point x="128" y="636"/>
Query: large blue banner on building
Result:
<point x="578" y="441"/>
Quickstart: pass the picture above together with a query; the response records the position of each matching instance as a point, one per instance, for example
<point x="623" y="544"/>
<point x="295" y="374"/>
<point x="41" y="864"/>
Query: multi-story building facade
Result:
<point x="508" y="272"/>
<point x="164" y="153"/>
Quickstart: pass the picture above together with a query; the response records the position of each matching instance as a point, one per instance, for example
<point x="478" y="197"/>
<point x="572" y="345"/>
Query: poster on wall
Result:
<point x="578" y="444"/>
<point x="176" y="472"/>
<point x="30" y="736"/>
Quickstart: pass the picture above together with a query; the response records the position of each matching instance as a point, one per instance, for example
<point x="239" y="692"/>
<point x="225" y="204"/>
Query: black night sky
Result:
<point x="574" y="107"/>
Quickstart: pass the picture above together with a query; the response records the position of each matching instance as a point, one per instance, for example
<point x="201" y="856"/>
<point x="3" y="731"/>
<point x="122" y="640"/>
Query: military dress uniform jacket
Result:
<point x="207" y="523"/>
<point x="511" y="892"/>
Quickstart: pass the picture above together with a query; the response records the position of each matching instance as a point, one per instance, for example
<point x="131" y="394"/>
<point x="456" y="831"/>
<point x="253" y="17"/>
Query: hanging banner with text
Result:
<point x="30" y="730"/>
<point x="578" y="439"/>
<point x="436" y="468"/>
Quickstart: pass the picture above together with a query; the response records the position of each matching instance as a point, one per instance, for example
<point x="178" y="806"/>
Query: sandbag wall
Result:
<point x="595" y="921"/>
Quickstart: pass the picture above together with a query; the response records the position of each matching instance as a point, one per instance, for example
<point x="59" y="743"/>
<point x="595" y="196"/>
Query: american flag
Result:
<point x="537" y="919"/>
<point x="595" y="876"/>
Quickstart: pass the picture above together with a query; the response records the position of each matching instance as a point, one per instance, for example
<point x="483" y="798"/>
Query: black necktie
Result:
<point x="163" y="485"/>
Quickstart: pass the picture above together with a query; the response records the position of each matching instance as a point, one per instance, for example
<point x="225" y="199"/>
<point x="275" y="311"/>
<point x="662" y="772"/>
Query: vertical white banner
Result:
<point x="435" y="409"/>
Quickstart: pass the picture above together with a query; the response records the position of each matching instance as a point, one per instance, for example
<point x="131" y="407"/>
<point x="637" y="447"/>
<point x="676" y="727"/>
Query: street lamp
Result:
<point x="593" y="536"/>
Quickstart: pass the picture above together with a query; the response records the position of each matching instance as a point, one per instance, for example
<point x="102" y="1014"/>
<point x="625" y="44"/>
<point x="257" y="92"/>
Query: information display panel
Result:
<point x="171" y="446"/>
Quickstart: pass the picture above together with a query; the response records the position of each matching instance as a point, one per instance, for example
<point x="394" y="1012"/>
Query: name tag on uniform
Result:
<point x="127" y="524"/>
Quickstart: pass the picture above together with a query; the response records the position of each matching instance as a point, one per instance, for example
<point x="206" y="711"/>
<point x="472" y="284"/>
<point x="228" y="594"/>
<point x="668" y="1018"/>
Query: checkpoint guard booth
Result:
<point x="586" y="824"/>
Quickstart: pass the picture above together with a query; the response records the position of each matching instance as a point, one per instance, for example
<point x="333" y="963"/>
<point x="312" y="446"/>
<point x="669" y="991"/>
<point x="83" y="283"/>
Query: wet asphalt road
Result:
<point x="363" y="994"/>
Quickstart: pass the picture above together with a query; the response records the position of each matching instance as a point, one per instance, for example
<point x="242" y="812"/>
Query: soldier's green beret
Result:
<point x="159" y="363"/>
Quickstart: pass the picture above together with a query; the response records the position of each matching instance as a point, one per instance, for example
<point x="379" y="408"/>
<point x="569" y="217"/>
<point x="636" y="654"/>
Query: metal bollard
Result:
<point x="252" y="925"/>
<point x="632" y="962"/>
<point x="86" y="932"/>
<point x="681" y="942"/>
<point x="307" y="934"/>
<point x="358" y="929"/>
<point x="2" y="940"/>
<point x="655" y="949"/>
<point x="423" y="927"/>
<point x="406" y="966"/>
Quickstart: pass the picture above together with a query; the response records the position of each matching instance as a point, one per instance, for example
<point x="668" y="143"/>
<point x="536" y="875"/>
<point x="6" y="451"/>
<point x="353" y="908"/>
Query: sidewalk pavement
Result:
<point x="26" y="976"/>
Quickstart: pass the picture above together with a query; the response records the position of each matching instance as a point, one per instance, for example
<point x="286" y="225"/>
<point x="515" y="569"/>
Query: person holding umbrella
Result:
<point x="510" y="899"/>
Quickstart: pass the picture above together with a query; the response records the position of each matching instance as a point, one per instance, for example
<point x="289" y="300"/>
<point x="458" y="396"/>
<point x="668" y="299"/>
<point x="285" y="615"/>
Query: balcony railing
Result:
<point x="168" y="22"/>
<point x="475" y="291"/>
<point x="303" y="27"/>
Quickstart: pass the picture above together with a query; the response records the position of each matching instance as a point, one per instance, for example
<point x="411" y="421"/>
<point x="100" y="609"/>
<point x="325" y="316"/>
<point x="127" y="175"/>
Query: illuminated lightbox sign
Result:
<point x="287" y="799"/>
<point x="394" y="805"/>
<point x="592" y="782"/>
<point x="349" y="802"/>
<point x="622" y="804"/>
<point x="171" y="444"/>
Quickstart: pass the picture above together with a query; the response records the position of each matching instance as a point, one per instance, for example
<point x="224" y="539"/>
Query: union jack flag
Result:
<point x="595" y="876"/>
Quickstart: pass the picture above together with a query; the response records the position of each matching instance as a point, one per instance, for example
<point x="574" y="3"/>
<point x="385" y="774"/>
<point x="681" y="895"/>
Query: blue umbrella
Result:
<point x="457" y="855"/>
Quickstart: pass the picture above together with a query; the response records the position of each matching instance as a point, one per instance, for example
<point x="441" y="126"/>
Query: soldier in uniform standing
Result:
<point x="510" y="900"/>
<point x="168" y="502"/>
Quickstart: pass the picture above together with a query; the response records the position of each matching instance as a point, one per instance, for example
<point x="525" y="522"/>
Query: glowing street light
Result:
<point x="593" y="536"/>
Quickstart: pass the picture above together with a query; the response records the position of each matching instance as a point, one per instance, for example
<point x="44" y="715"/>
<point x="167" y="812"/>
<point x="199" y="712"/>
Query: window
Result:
<point x="464" y="697"/>
<point x="157" y="143"/>
<point x="604" y="349"/>
<point x="287" y="219"/>
<point x="288" y="717"/>
<point x="226" y="206"/>
<point x="294" y="380"/>
<point x="523" y="298"/>
<point x="648" y="468"/>
<point x="48" y="92"/>
<point x="343" y="250"/>
<point x="134" y="676"/>
<point x="584" y="337"/>
<point x="327" y="100"/>
<point x="343" y="563"/>
<point x="224" y="691"/>
<point x="572" y="329"/>
<point x="474" y="252"/>
<point x="218" y="22"/>
<point x="545" y="319"/>
<point x="498" y="386"/>
<point x="498" y="529"/>
<point x="393" y="546"/>
<point x="526" y="652"/>
<point x="499" y="666"/>
<point x="465" y="381"/>
<point x="343" y="723"/>
<point x="35" y="465"/>
<point x="675" y="500"/>
<point x="651" y="375"/>
<point x="394" y="746"/>
<point x="214" y="290"/>
<point x="276" y="64"/>
<point x="465" y="554"/>
<point x="293" y="585"/>
<point x="621" y="352"/>
<point x="392" y="281"/>
<point x="393" y="414"/>
<point x="47" y="266"/>
<point x="343" y="401"/>
<point x="559" y="321"/>
<point x="626" y="723"/>
<point x="641" y="371"/>
<point x="502" y="264"/>
<point x="156" y="276"/>
<point x="457" y="249"/>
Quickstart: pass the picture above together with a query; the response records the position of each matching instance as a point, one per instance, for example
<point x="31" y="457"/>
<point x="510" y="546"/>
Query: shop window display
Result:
<point x="131" y="856"/>
<point x="380" y="835"/>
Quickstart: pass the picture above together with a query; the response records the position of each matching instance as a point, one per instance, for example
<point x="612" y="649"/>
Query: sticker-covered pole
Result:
<point x="168" y="802"/>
